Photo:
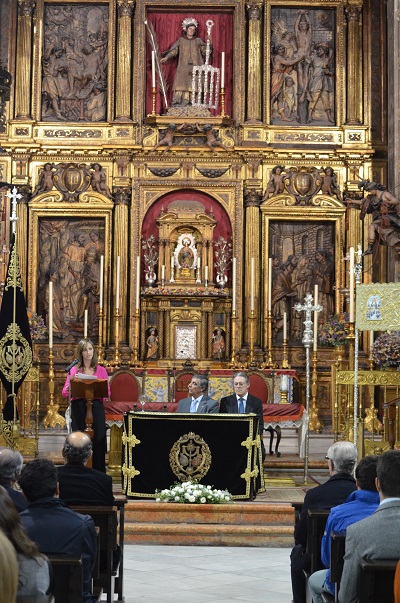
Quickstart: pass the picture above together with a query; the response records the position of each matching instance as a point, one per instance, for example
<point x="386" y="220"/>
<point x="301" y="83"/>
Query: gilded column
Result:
<point x="354" y="66"/>
<point x="22" y="229"/>
<point x="122" y="198"/>
<point x="124" y="61"/>
<point x="160" y="329"/>
<point x="24" y="60"/>
<point x="252" y="200"/>
<point x="254" y="77"/>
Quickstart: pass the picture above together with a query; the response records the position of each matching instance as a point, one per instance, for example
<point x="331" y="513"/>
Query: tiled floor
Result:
<point x="175" y="574"/>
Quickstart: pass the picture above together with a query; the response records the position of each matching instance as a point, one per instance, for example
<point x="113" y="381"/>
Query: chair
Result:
<point x="67" y="571"/>
<point x="338" y="545"/>
<point x="316" y="522"/>
<point x="377" y="581"/>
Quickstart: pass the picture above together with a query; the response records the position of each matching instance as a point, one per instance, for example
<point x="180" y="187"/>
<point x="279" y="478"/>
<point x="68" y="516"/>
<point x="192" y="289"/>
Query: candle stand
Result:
<point x="285" y="362"/>
<point x="268" y="360"/>
<point x="315" y="424"/>
<point x="135" y="353"/>
<point x="116" y="358"/>
<point x="52" y="417"/>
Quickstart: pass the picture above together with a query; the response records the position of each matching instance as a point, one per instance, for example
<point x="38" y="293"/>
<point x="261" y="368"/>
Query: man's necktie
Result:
<point x="241" y="405"/>
<point x="193" y="406"/>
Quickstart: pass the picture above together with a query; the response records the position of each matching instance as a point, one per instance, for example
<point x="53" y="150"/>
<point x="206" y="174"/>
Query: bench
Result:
<point x="35" y="599"/>
<point x="67" y="571"/>
<point x="338" y="544"/>
<point x="316" y="522"/>
<point x="377" y="581"/>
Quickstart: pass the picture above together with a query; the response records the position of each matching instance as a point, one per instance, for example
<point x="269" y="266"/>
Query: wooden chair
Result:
<point x="316" y="521"/>
<point x="338" y="544"/>
<point x="106" y="519"/>
<point x="297" y="506"/>
<point x="377" y="581"/>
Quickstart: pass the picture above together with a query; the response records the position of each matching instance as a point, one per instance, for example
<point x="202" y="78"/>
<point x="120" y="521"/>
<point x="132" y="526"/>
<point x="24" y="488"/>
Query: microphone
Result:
<point x="73" y="363"/>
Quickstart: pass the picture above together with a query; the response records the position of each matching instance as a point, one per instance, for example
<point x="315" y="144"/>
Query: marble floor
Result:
<point x="175" y="574"/>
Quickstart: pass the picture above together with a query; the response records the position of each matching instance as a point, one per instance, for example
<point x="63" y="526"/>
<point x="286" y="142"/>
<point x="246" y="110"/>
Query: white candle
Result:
<point x="252" y="285"/>
<point x="198" y="263"/>
<point x="284" y="326"/>
<point x="284" y="383"/>
<point x="269" y="283"/>
<point x="315" y="318"/>
<point x="163" y="272"/>
<point x="101" y="282"/>
<point x="371" y="339"/>
<point x="206" y="273"/>
<point x="153" y="69"/>
<point x="351" y="307"/>
<point x="85" y="323"/>
<point x="137" y="282"/>
<point x="233" y="284"/>
<point x="50" y="315"/>
<point x="223" y="70"/>
<point x="172" y="261"/>
<point x="117" y="285"/>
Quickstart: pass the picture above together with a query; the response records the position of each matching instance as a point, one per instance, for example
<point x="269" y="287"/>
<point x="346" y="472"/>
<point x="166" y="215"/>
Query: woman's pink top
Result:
<point x="100" y="373"/>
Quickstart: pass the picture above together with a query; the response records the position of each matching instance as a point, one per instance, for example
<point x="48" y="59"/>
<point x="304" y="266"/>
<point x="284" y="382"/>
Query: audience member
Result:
<point x="342" y="458"/>
<point x="78" y="484"/>
<point x="54" y="527"/>
<point x="377" y="536"/>
<point x="243" y="402"/>
<point x="11" y="462"/>
<point x="33" y="567"/>
<point x="360" y="504"/>
<point x="8" y="571"/>
<point x="199" y="401"/>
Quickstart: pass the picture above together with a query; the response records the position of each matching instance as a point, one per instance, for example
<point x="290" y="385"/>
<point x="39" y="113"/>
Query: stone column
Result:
<point x="23" y="77"/>
<point x="124" y="61"/>
<point x="254" y="75"/>
<point x="252" y="200"/>
<point x="354" y="66"/>
<point x="122" y="198"/>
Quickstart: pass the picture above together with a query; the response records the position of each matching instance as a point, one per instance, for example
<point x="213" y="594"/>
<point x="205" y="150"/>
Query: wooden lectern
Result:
<point x="89" y="390"/>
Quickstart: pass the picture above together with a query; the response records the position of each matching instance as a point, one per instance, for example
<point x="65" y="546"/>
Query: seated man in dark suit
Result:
<point x="199" y="400"/>
<point x="78" y="484"/>
<point x="342" y="459"/>
<point x="11" y="462"/>
<point x="54" y="527"/>
<point x="243" y="402"/>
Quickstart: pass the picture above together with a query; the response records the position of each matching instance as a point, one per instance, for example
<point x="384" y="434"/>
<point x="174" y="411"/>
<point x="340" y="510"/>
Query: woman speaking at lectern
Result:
<point x="86" y="364"/>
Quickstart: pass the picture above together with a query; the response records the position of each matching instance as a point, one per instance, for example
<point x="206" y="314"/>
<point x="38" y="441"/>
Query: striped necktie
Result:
<point x="241" y="405"/>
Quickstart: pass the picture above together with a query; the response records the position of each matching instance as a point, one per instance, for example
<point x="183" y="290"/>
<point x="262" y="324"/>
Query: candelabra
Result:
<point x="285" y="362"/>
<point x="232" y="363"/>
<point x="268" y="360"/>
<point x="52" y="417"/>
<point x="222" y="94"/>
<point x="135" y="353"/>
<point x="116" y="358"/>
<point x="252" y="363"/>
<point x="315" y="424"/>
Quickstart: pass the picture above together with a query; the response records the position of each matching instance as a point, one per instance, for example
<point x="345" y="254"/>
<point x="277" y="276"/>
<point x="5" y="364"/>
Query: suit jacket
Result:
<point x="229" y="405"/>
<point x="206" y="405"/>
<point x="80" y="485"/>
<point x="376" y="537"/>
<point x="330" y="494"/>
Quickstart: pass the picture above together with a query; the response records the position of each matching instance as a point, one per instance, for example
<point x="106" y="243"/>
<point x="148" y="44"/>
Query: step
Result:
<point x="237" y="524"/>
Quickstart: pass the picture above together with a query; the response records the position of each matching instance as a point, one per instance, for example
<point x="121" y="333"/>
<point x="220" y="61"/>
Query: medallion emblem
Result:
<point x="190" y="457"/>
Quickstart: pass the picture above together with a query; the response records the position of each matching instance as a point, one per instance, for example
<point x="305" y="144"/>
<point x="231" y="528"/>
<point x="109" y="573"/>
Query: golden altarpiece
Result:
<point x="205" y="153"/>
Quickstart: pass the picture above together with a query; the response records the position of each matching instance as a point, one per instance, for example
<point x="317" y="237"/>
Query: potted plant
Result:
<point x="386" y="350"/>
<point x="335" y="331"/>
<point x="194" y="493"/>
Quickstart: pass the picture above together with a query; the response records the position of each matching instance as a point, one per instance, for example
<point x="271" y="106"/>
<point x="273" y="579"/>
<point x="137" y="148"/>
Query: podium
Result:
<point x="89" y="390"/>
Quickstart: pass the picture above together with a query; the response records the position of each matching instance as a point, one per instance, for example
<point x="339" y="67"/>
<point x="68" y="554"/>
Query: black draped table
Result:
<point x="161" y="449"/>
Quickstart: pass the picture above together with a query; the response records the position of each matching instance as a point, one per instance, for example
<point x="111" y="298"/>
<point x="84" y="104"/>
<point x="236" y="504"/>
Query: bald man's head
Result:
<point x="77" y="448"/>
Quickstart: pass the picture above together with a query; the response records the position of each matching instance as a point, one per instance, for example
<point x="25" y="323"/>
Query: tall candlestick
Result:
<point x="252" y="275"/>
<point x="101" y="282"/>
<point x="85" y="323"/>
<point x="50" y="315"/>
<point x="206" y="273"/>
<point x="163" y="272"/>
<point x="284" y="326"/>
<point x="269" y="283"/>
<point x="315" y="319"/>
<point x="117" y="283"/>
<point x="137" y="282"/>
<point x="351" y="307"/>
<point x="233" y="284"/>
<point x="223" y="70"/>
<point x="153" y="69"/>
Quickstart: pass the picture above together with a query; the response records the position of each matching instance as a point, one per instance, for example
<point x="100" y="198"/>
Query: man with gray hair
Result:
<point x="342" y="459"/>
<point x="199" y="401"/>
<point x="11" y="462"/>
<point x="78" y="484"/>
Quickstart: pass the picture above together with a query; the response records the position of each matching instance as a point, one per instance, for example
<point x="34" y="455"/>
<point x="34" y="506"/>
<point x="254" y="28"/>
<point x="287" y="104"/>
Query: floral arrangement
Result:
<point x="386" y="350"/>
<point x="335" y="331"/>
<point x="37" y="325"/>
<point x="182" y="291"/>
<point x="191" y="492"/>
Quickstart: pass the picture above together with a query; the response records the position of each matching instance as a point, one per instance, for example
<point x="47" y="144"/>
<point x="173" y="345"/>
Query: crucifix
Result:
<point x="308" y="307"/>
<point x="14" y="196"/>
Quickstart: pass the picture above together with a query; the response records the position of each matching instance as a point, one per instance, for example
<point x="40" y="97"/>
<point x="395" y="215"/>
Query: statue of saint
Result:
<point x="152" y="345"/>
<point x="218" y="344"/>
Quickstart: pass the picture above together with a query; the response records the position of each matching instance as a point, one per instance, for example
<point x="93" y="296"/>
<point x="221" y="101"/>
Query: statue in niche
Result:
<point x="185" y="255"/>
<point x="321" y="83"/>
<point x="329" y="184"/>
<point x="218" y="344"/>
<point x="190" y="51"/>
<point x="45" y="182"/>
<point x="212" y="139"/>
<point x="98" y="180"/>
<point x="74" y="63"/>
<point x="323" y="276"/>
<point x="152" y="343"/>
<point x="276" y="184"/>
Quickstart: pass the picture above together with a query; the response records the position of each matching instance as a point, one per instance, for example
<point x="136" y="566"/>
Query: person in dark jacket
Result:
<point x="342" y="459"/>
<point x="11" y="462"/>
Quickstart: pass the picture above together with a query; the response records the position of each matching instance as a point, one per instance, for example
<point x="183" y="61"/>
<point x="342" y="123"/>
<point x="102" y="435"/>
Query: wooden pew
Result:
<point x="338" y="544"/>
<point x="107" y="520"/>
<point x="377" y="581"/>
<point x="297" y="506"/>
<point x="316" y="522"/>
<point x="35" y="599"/>
<point x="67" y="572"/>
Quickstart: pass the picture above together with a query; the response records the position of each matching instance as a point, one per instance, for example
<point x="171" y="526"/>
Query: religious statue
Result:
<point x="45" y="182"/>
<point x="276" y="184"/>
<point x="321" y="83"/>
<point x="323" y="276"/>
<point x="98" y="180"/>
<point x="281" y="295"/>
<point x="280" y="67"/>
<point x="152" y="345"/>
<point x="329" y="184"/>
<point x="167" y="140"/>
<point x="185" y="255"/>
<point x="190" y="51"/>
<point x="218" y="344"/>
<point x="385" y="210"/>
<point x="212" y="140"/>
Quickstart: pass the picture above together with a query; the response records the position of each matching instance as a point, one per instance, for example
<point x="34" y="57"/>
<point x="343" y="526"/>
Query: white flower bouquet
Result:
<point x="191" y="492"/>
